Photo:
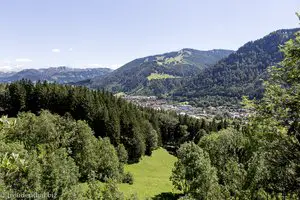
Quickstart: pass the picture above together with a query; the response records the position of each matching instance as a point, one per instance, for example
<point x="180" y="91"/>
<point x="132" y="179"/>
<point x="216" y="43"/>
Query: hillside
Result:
<point x="141" y="76"/>
<point x="54" y="74"/>
<point x="241" y="73"/>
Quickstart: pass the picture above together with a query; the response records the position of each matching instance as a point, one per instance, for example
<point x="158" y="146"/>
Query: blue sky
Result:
<point x="110" y="33"/>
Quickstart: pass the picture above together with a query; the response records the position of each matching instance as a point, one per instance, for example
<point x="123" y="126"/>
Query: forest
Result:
<point x="72" y="135"/>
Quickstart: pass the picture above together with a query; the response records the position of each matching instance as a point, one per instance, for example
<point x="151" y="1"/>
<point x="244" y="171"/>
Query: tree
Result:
<point x="122" y="153"/>
<point x="167" y="124"/>
<point x="94" y="190"/>
<point x="108" y="161"/>
<point x="225" y="145"/>
<point x="151" y="137"/>
<point x="59" y="171"/>
<point x="193" y="173"/>
<point x="151" y="142"/>
<point x="275" y="123"/>
<point x="18" y="164"/>
<point x="17" y="98"/>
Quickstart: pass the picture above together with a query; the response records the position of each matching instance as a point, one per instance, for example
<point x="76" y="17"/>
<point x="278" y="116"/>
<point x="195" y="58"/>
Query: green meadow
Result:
<point x="151" y="175"/>
<point x="154" y="76"/>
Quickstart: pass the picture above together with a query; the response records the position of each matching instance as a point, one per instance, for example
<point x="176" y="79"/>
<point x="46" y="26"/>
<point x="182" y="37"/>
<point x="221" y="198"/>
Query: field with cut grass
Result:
<point x="154" y="76"/>
<point x="151" y="175"/>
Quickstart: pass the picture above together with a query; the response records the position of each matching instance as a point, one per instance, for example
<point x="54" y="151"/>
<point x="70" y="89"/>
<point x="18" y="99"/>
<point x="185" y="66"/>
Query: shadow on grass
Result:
<point x="167" y="196"/>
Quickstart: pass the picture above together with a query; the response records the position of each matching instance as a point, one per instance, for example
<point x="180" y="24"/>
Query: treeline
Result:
<point x="140" y="130"/>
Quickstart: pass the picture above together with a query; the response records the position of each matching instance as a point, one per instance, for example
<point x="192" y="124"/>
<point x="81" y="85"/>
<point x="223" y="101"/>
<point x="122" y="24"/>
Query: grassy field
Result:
<point x="154" y="76"/>
<point x="151" y="175"/>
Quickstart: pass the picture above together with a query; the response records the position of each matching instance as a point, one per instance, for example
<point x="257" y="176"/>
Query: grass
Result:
<point x="154" y="76"/>
<point x="120" y="94"/>
<point x="176" y="59"/>
<point x="151" y="175"/>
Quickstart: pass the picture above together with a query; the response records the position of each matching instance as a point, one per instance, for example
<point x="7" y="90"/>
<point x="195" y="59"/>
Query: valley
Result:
<point x="183" y="108"/>
<point x="149" y="100"/>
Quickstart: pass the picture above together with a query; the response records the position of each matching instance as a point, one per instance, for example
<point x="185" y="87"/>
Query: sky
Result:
<point x="110" y="33"/>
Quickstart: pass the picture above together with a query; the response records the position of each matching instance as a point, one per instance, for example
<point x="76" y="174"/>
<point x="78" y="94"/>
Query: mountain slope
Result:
<point x="55" y="74"/>
<point x="241" y="73"/>
<point x="139" y="75"/>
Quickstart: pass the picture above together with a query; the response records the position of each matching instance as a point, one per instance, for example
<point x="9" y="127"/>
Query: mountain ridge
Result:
<point x="241" y="73"/>
<point x="134" y="75"/>
<point x="60" y="74"/>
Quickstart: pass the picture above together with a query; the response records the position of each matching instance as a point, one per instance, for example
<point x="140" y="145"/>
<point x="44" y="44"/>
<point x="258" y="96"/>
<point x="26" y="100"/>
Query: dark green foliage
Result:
<point x="94" y="190"/>
<point x="277" y="115"/>
<point x="49" y="153"/>
<point x="166" y="196"/>
<point x="59" y="171"/>
<point x="140" y="130"/>
<point x="127" y="178"/>
<point x="107" y="161"/>
<point x="90" y="138"/>
<point x="259" y="157"/>
<point x="16" y="163"/>
<point x="122" y="153"/>
<point x="241" y="73"/>
<point x="102" y="111"/>
<point x="194" y="175"/>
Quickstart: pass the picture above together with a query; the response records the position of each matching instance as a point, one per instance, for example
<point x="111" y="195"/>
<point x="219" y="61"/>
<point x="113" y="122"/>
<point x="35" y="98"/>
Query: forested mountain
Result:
<point x="144" y="75"/>
<point x="241" y="73"/>
<point x="54" y="74"/>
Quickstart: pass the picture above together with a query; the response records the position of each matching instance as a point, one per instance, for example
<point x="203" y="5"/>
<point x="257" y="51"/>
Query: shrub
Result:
<point x="128" y="178"/>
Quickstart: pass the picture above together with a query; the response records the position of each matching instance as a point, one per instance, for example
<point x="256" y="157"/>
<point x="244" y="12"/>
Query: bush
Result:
<point x="128" y="178"/>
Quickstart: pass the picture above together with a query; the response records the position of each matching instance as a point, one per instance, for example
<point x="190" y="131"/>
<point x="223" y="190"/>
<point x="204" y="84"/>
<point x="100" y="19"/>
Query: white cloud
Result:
<point x="23" y="60"/>
<point x="94" y="65"/>
<point x="6" y="68"/>
<point x="70" y="49"/>
<point x="11" y="68"/>
<point x="114" y="66"/>
<point x="56" y="50"/>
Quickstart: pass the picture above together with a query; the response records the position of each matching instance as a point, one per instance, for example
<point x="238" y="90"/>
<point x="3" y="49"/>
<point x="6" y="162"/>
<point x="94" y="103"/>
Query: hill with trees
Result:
<point x="54" y="74"/>
<point x="241" y="73"/>
<point x="147" y="75"/>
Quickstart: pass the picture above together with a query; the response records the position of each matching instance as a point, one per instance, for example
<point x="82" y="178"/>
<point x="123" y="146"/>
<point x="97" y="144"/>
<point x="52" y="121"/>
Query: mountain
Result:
<point x="141" y="76"/>
<point x="241" y="73"/>
<point x="55" y="74"/>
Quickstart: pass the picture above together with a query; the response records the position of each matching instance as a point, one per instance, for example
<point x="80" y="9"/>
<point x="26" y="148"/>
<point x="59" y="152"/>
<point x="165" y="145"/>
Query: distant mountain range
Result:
<point x="138" y="76"/>
<point x="55" y="74"/>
